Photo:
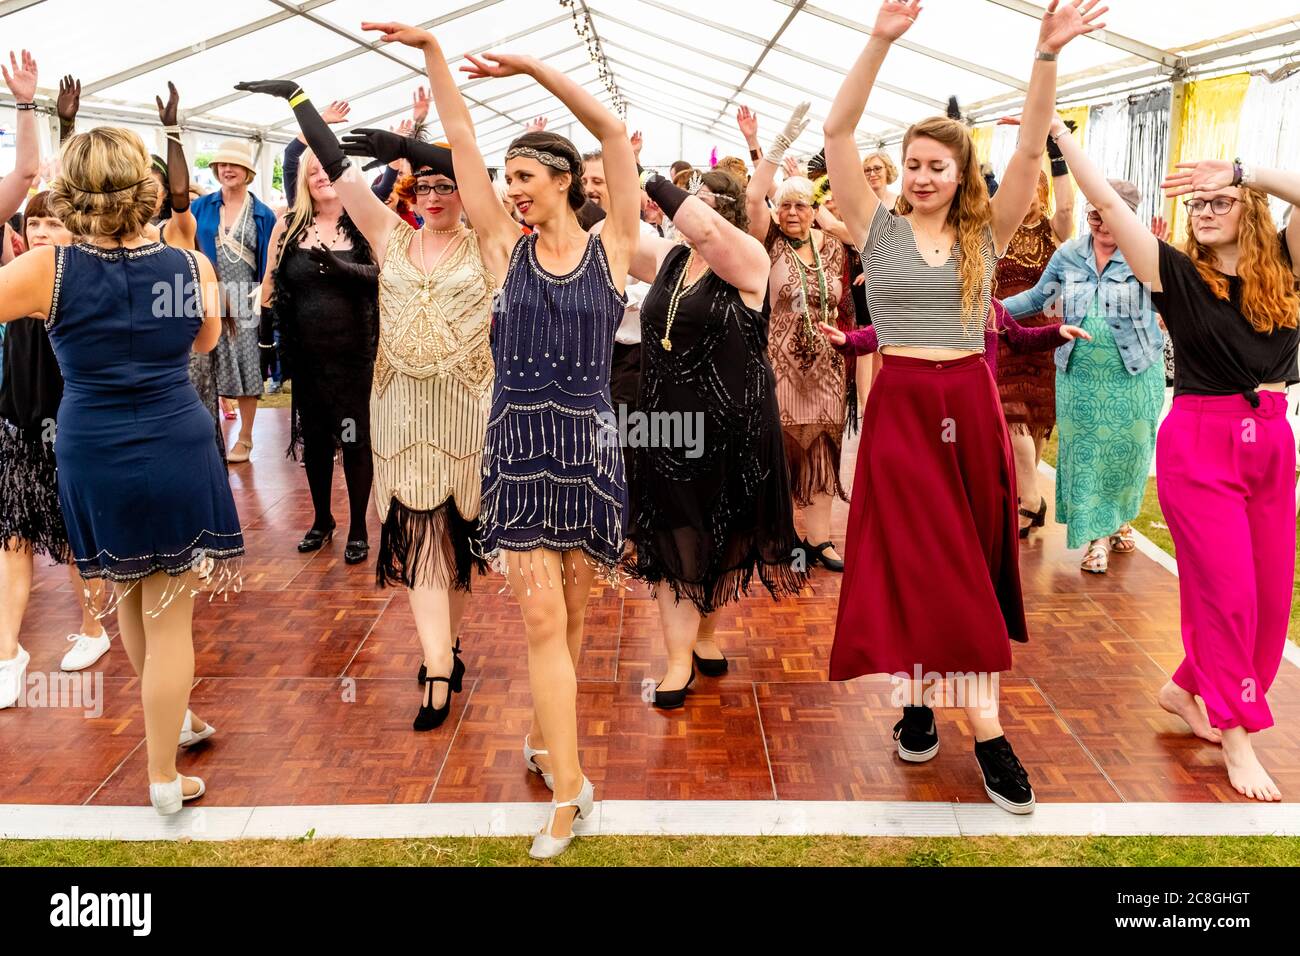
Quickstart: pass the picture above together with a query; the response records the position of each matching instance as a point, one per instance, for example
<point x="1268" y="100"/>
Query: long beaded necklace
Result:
<point x="226" y="235"/>
<point x="673" y="301"/>
<point x="802" y="268"/>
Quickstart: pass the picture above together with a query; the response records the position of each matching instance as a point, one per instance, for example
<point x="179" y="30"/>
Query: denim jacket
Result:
<point x="1071" y="276"/>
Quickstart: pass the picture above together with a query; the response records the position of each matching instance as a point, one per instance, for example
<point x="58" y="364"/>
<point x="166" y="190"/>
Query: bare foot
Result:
<point x="1182" y="704"/>
<point x="1247" y="776"/>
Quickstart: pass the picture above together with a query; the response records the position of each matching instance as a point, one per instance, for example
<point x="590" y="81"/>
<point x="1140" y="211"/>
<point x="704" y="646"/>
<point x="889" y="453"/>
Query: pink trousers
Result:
<point x="1226" y="478"/>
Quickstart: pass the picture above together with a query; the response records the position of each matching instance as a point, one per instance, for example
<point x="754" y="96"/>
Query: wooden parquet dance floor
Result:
<point x="309" y="676"/>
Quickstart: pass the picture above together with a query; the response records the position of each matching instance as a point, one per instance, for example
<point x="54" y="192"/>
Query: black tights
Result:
<point x="358" y="471"/>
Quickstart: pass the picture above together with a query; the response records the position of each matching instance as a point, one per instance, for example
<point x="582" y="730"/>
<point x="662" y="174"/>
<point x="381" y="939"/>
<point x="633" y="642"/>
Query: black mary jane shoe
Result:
<point x="709" y="666"/>
<point x="673" y="699"/>
<point x="423" y="676"/>
<point x="429" y="717"/>
<point x="356" y="552"/>
<point x="315" y="539"/>
<point x="818" y="551"/>
<point x="1036" y="518"/>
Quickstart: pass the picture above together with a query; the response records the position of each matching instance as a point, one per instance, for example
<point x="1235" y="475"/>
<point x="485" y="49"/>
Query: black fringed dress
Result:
<point x="711" y="500"/>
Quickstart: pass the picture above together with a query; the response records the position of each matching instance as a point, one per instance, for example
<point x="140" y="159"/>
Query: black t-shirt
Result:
<point x="1216" y="350"/>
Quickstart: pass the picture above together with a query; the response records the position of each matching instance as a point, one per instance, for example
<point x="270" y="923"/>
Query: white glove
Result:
<point x="794" y="128"/>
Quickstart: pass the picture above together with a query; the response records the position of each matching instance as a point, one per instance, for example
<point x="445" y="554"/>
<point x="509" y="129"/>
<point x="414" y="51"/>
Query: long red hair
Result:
<point x="1269" y="299"/>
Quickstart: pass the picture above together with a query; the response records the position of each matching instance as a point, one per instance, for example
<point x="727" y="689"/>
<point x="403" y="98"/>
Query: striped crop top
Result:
<point x="911" y="302"/>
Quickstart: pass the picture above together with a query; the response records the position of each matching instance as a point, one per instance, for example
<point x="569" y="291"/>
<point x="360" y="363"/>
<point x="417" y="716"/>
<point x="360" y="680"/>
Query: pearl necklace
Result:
<point x="681" y="289"/>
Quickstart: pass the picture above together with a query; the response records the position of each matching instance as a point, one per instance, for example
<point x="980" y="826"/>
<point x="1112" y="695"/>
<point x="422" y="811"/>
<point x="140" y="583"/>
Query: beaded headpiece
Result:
<point x="546" y="159"/>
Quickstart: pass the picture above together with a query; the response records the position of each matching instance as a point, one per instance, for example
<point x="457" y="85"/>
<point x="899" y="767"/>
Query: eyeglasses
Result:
<point x="1219" y="205"/>
<point x="442" y="189"/>
<point x="874" y="169"/>
<point x="1094" y="218"/>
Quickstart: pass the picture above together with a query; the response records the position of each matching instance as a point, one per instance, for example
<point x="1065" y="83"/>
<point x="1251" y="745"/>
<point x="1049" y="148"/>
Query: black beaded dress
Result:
<point x="711" y="499"/>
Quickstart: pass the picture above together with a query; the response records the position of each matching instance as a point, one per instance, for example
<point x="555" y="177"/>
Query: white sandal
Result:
<point x="188" y="735"/>
<point x="1097" y="560"/>
<point x="530" y="756"/>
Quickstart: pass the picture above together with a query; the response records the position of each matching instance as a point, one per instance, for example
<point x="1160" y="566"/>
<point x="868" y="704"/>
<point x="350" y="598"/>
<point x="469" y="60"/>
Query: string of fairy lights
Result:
<point x="583" y="26"/>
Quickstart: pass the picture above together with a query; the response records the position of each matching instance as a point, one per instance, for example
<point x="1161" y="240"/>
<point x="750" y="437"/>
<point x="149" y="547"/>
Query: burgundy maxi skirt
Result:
<point x="931" y="576"/>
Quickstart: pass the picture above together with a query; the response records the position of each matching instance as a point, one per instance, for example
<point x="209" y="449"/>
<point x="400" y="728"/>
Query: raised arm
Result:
<point x="622" y="225"/>
<point x="1211" y="175"/>
<point x="1062" y="192"/>
<point x="497" y="232"/>
<point x="181" y="228"/>
<point x="737" y="259"/>
<point x="763" y="182"/>
<point x="1062" y="22"/>
<point x="21" y="80"/>
<point x="1141" y="249"/>
<point x="210" y="331"/>
<point x="66" y="106"/>
<point x="374" y="220"/>
<point x="854" y="198"/>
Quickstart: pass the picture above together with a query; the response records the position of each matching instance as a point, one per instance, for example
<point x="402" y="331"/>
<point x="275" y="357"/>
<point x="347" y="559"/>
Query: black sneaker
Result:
<point x="1005" y="780"/>
<point x="917" y="735"/>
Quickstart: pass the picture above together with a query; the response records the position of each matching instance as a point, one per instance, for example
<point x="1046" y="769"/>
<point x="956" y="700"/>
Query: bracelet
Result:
<point x="1045" y="56"/>
<point x="297" y="99"/>
<point x="1242" y="175"/>
<point x="25" y="106"/>
<point x="756" y="154"/>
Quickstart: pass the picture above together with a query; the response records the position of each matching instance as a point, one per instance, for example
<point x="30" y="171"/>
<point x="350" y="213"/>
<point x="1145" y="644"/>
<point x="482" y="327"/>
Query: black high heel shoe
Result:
<point x="455" y="652"/>
<point x="430" y="717"/>
<point x="356" y="552"/>
<point x="818" y="551"/>
<point x="710" y="667"/>
<point x="1036" y="518"/>
<point x="673" y="699"/>
<point x="316" y="538"/>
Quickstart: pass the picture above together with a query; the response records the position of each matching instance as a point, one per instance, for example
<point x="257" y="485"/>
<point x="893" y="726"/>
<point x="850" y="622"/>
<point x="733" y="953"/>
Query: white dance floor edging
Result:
<point x="652" y="818"/>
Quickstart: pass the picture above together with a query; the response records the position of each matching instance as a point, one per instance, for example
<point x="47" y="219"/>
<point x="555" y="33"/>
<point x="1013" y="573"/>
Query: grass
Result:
<point x="1151" y="522"/>
<point x="674" y="851"/>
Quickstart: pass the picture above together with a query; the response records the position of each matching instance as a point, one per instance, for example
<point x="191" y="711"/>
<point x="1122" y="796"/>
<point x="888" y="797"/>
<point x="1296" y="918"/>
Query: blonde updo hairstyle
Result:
<point x="105" y="190"/>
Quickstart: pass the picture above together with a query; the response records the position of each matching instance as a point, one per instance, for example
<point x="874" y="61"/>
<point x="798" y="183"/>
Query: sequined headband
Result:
<point x="546" y="159"/>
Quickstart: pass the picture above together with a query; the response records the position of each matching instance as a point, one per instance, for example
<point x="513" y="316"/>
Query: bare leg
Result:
<point x="168" y="667"/>
<point x="681" y="624"/>
<point x="1025" y="452"/>
<point x="817" y="519"/>
<point x="534" y="577"/>
<point x="981" y="694"/>
<point x="431" y="608"/>
<point x="247" y="412"/>
<point x="90" y="595"/>
<point x="15" y="588"/>
<point x="1191" y="709"/>
<point x="577" y="594"/>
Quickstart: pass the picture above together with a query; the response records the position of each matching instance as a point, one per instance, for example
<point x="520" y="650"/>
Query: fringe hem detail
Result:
<point x="428" y="548"/>
<point x="814" y="470"/>
<point x="29" y="497"/>
<point x="727" y="587"/>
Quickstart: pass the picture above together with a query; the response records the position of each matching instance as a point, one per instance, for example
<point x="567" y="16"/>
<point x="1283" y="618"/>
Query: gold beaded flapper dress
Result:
<point x="428" y="412"/>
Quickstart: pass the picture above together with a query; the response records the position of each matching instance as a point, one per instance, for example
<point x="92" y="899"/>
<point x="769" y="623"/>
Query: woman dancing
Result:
<point x="431" y="384"/>
<point x="707" y="517"/>
<point x="932" y="586"/>
<point x="1225" y="455"/>
<point x="143" y="492"/>
<point x="320" y="288"/>
<point x="806" y="286"/>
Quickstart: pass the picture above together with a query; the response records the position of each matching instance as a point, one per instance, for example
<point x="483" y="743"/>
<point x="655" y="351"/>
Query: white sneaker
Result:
<point x="85" y="651"/>
<point x="13" y="676"/>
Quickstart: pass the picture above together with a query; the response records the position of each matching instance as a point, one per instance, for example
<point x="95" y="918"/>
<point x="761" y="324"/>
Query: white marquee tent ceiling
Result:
<point x="682" y="73"/>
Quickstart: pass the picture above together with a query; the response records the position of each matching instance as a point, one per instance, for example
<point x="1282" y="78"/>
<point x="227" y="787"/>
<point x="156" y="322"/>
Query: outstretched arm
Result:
<point x="181" y="228"/>
<point x="372" y="217"/>
<point x="66" y="106"/>
<point x="1141" y="249"/>
<point x="21" y="80"/>
<point x="622" y="224"/>
<point x="1062" y="22"/>
<point x="763" y="183"/>
<point x="737" y="259"/>
<point x="1211" y="175"/>
<point x="497" y="232"/>
<point x="855" y="200"/>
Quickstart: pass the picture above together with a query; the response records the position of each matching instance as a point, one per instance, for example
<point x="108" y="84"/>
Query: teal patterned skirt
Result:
<point x="1107" y="421"/>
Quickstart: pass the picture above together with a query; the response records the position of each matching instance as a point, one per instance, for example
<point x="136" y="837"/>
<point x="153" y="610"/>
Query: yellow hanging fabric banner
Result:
<point x="1210" y="121"/>
<point x="983" y="137"/>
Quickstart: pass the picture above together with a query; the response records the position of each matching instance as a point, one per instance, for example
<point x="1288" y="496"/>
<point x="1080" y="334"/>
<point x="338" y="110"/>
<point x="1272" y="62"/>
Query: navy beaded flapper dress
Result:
<point x="141" y="484"/>
<point x="552" y="460"/>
